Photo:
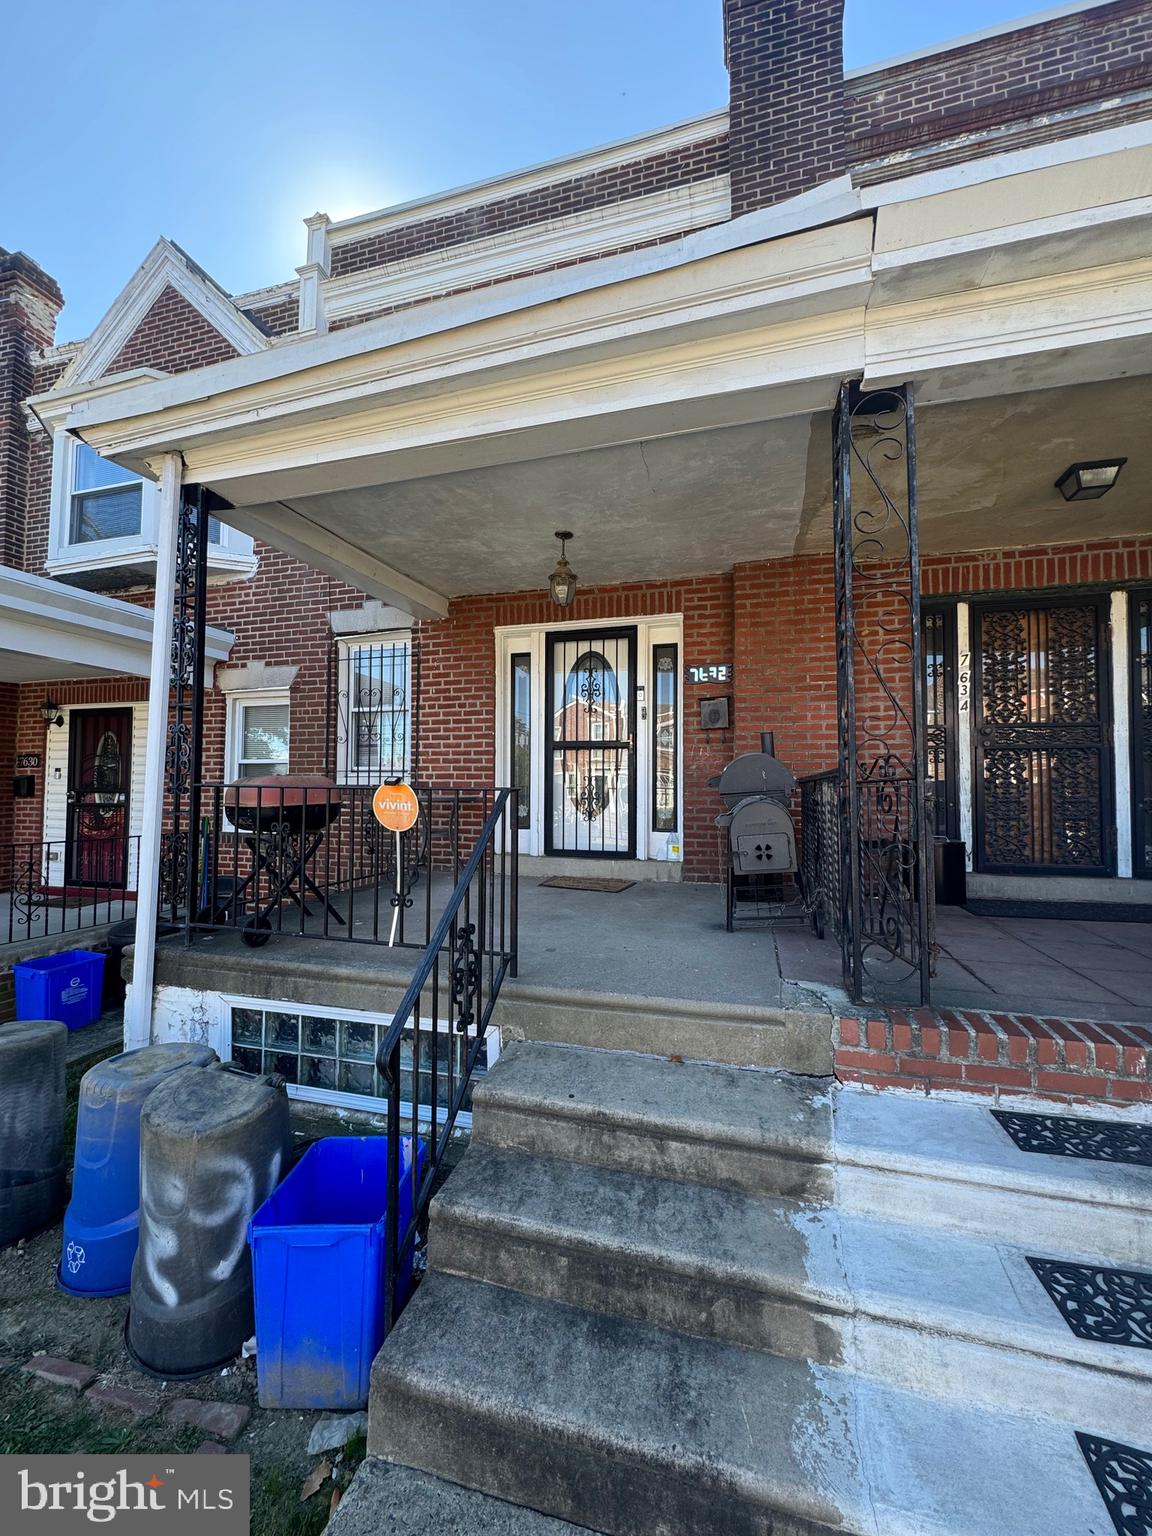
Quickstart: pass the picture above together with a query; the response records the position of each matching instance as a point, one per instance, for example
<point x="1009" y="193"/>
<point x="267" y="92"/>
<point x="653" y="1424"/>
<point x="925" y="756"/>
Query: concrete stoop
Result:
<point x="679" y="1300"/>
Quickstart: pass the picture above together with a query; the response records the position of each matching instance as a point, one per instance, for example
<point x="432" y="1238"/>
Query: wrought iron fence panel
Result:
<point x="885" y="885"/>
<point x="38" y="901"/>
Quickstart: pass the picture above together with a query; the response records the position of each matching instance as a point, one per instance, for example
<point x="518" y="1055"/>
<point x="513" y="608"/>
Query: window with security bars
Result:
<point x="374" y="716"/>
<point x="329" y="1055"/>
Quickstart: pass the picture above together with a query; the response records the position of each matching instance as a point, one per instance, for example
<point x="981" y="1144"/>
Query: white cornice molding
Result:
<point x="260" y="298"/>
<point x="529" y="178"/>
<point x="164" y="267"/>
<point x="549" y="243"/>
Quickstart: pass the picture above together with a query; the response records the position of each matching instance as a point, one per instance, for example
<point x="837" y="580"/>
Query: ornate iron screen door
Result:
<point x="1043" y="753"/>
<point x="590" y="774"/>
<point x="99" y="772"/>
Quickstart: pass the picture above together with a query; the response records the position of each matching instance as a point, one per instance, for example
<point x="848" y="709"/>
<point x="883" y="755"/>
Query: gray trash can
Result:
<point x="214" y="1144"/>
<point x="32" y="1109"/>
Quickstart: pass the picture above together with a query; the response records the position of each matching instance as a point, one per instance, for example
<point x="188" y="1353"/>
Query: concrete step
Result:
<point x="795" y="1039"/>
<point x="950" y="1315"/>
<point x="755" y="1131"/>
<point x="887" y="1156"/>
<point x="383" y="1497"/>
<point x="639" y="1431"/>
<point x="939" y="1163"/>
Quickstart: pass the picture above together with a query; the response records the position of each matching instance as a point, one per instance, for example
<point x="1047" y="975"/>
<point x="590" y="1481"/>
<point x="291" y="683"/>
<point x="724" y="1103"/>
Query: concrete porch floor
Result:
<point x="664" y="940"/>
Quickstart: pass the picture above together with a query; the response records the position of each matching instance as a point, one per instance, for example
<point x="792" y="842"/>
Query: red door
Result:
<point x="99" y="774"/>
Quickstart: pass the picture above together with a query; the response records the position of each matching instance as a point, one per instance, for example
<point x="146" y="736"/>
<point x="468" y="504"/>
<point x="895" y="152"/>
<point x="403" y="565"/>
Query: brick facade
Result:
<point x="29" y="302"/>
<point x="998" y="1055"/>
<point x="174" y="336"/>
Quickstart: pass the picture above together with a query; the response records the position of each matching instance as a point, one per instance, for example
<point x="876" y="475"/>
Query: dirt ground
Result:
<point x="35" y="1316"/>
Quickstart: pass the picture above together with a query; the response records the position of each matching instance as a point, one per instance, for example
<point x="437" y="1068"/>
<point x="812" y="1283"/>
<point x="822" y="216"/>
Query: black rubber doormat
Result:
<point x="1123" y="1475"/>
<point x="587" y="883"/>
<point x="1104" y="1141"/>
<point x="1062" y="911"/>
<point x="1108" y="1306"/>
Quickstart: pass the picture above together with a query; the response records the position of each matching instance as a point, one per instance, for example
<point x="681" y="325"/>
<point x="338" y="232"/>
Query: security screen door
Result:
<point x="590" y="771"/>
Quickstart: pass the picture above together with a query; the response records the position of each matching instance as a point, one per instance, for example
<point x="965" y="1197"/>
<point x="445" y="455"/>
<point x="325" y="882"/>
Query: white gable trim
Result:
<point x="163" y="267"/>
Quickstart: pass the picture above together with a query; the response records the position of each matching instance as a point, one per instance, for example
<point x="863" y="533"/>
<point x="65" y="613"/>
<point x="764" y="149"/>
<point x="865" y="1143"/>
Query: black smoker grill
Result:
<point x="759" y="867"/>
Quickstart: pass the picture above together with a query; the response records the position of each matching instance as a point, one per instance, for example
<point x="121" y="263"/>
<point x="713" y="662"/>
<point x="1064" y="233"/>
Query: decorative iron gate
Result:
<point x="1043" y="766"/>
<point x="1141" y="659"/>
<point x="590" y="771"/>
<point x="886" y="877"/>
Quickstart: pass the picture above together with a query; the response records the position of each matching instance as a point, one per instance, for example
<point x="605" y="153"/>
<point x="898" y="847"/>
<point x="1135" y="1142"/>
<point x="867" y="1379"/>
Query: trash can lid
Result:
<point x="199" y="1103"/>
<point x="152" y="1061"/>
<point x="31" y="1031"/>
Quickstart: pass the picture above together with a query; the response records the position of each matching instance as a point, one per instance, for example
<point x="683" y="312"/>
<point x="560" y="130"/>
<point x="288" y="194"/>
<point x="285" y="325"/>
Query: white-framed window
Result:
<point x="374" y="717"/>
<point x="104" y="515"/>
<point x="258" y="734"/>
<point x="328" y="1055"/>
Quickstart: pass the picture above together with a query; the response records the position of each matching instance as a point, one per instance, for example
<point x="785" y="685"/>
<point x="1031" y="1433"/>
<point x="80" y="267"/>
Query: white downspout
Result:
<point x="138" y="1004"/>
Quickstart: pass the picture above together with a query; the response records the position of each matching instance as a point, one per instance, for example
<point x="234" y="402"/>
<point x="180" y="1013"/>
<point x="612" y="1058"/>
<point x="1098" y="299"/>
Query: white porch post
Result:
<point x="138" y="1007"/>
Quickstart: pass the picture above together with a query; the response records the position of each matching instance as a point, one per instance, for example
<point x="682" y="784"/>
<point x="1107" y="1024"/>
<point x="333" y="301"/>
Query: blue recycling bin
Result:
<point x="102" y="1222"/>
<point x="68" y="987"/>
<point x="318" y="1272"/>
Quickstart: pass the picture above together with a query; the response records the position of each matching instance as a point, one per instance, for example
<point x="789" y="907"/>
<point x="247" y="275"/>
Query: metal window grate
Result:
<point x="1104" y="1141"/>
<point x="1108" y="1306"/>
<point x="1123" y="1475"/>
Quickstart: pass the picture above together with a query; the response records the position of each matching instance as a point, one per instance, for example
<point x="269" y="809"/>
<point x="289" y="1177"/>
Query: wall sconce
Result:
<point x="562" y="582"/>
<point x="1089" y="481"/>
<point x="51" y="713"/>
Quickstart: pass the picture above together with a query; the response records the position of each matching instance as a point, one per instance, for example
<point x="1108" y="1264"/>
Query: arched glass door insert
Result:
<point x="591" y="774"/>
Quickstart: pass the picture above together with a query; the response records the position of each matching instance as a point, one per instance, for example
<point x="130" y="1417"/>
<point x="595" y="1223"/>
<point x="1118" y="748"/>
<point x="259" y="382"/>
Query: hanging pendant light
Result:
<point x="562" y="582"/>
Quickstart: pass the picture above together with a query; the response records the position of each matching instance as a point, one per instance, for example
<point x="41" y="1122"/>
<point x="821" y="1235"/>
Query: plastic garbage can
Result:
<point x="213" y="1145"/>
<point x="102" y="1222"/>
<point x="32" y="1113"/>
<point x="68" y="987"/>
<point x="318" y="1267"/>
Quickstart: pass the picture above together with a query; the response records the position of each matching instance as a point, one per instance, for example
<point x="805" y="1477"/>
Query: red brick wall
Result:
<point x="281" y="318"/>
<point x="9" y="704"/>
<point x="173" y="336"/>
<point x="458" y="706"/>
<point x="1032" y="72"/>
<point x="786" y="97"/>
<point x="576" y="194"/>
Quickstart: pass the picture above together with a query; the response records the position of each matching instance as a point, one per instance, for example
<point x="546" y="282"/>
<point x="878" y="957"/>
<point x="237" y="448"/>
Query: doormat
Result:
<point x="1067" y="911"/>
<point x="589" y="883"/>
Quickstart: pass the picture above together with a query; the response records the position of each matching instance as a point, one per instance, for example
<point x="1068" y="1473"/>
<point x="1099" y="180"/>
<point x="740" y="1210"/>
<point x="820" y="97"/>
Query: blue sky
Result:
<point x="223" y="123"/>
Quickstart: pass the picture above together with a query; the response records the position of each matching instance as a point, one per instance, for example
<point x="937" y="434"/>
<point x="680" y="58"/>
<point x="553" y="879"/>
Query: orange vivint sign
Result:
<point x="396" y="807"/>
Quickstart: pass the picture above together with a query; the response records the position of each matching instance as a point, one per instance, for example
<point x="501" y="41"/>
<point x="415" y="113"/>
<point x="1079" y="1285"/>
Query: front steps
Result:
<point x="680" y="1300"/>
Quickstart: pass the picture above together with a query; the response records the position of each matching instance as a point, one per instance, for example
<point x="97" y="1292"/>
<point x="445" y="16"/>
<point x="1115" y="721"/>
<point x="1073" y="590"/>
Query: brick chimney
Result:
<point x="30" y="300"/>
<point x="786" y="98"/>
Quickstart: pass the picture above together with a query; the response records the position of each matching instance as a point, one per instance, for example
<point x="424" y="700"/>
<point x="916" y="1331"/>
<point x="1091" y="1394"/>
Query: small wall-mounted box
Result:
<point x="715" y="714"/>
<point x="24" y="786"/>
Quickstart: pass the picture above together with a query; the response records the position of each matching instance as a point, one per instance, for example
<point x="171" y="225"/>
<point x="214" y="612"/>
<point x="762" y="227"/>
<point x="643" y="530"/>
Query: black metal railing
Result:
<point x="311" y="860"/>
<point x="449" y="1000"/>
<point x="822" y="850"/>
<point x="65" y="885"/>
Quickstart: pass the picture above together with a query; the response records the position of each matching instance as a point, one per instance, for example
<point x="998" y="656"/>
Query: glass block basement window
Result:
<point x="338" y="1056"/>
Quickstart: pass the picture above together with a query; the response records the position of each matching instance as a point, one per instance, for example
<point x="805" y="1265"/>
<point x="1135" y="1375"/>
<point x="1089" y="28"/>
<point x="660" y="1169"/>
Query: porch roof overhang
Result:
<point x="668" y="396"/>
<point x="54" y="633"/>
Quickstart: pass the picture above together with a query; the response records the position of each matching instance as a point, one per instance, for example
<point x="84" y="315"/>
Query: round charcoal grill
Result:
<point x="760" y="871"/>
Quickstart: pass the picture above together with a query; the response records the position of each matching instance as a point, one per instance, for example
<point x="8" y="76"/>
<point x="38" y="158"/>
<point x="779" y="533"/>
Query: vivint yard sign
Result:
<point x="185" y="1495"/>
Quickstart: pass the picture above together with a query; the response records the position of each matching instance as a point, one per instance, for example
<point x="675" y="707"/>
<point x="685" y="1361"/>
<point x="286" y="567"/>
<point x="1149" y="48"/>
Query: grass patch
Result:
<point x="39" y="1420"/>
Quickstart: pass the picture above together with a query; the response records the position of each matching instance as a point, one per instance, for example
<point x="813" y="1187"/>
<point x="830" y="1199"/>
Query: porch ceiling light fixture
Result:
<point x="562" y="582"/>
<point x="51" y="713"/>
<point x="1089" y="481"/>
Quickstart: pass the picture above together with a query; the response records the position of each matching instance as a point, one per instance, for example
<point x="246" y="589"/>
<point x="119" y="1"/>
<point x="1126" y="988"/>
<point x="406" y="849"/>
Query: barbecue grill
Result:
<point x="759" y="867"/>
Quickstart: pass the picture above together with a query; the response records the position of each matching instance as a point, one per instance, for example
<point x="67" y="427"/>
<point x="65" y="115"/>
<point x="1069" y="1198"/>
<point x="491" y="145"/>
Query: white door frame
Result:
<point x="651" y="629"/>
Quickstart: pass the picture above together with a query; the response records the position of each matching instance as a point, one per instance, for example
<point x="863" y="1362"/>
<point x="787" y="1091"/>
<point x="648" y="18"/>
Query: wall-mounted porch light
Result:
<point x="51" y="713"/>
<point x="562" y="582"/>
<point x="1088" y="481"/>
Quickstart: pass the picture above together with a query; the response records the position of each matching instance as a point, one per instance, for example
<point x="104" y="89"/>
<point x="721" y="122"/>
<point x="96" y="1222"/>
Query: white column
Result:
<point x="1121" y="738"/>
<point x="138" y="1006"/>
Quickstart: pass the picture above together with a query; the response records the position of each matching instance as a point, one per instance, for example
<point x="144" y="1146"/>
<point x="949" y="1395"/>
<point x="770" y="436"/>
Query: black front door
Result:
<point x="590" y="767"/>
<point x="99" y="774"/>
<point x="1043" y="767"/>
<point x="1142" y="735"/>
